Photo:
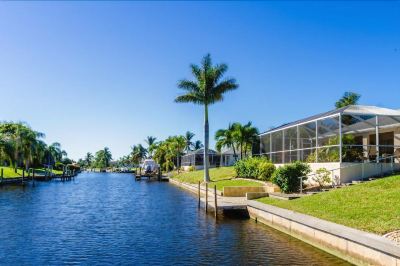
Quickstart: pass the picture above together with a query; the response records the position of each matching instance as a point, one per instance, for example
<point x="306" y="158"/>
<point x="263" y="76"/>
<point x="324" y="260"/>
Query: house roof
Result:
<point x="201" y="151"/>
<point x="351" y="109"/>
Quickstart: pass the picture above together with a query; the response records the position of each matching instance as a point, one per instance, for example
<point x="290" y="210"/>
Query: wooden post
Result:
<point x="199" y="195"/>
<point x="2" y="175"/>
<point x="33" y="176"/>
<point x="215" y="201"/>
<point x="206" y="196"/>
<point x="23" y="175"/>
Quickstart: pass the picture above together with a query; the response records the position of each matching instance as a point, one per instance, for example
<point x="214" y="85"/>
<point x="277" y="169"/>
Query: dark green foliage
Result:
<point x="255" y="167"/>
<point x="287" y="176"/>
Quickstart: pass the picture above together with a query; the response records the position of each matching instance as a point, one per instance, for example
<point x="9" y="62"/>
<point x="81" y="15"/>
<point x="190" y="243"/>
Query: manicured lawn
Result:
<point x="222" y="177"/>
<point x="10" y="173"/>
<point x="372" y="206"/>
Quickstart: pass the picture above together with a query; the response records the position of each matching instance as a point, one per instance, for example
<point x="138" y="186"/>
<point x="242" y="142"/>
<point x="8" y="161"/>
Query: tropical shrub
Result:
<point x="287" y="176"/>
<point x="322" y="177"/>
<point x="254" y="167"/>
<point x="58" y="166"/>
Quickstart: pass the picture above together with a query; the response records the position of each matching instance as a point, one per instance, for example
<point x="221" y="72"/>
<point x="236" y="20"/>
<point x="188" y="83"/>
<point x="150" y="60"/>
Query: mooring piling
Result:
<point x="199" y="194"/>
<point x="206" y="208"/>
<point x="215" y="201"/>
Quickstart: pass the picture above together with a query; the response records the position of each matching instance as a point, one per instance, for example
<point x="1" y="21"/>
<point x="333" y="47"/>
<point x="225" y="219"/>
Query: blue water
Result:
<point x="103" y="219"/>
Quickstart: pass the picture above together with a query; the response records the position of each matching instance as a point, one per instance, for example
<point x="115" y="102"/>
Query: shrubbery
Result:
<point x="287" y="176"/>
<point x="322" y="177"/>
<point x="255" y="167"/>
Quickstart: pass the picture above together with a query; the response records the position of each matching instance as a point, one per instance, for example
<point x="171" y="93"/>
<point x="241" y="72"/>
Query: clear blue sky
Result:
<point x="98" y="74"/>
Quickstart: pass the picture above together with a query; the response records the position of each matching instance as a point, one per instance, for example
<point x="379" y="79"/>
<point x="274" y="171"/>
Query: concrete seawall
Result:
<point x="353" y="245"/>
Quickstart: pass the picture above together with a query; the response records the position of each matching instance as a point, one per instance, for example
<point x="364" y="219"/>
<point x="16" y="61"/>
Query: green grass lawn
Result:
<point x="8" y="172"/>
<point x="221" y="177"/>
<point x="372" y="206"/>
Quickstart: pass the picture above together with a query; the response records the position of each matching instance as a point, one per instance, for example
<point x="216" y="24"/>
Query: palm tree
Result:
<point x="103" y="158"/>
<point x="150" y="141"/>
<point x="348" y="98"/>
<point x="88" y="159"/>
<point x="206" y="89"/>
<point x="250" y="136"/>
<point x="225" y="138"/>
<point x="188" y="139"/>
<point x="138" y="153"/>
<point x="197" y="145"/>
<point x="244" y="136"/>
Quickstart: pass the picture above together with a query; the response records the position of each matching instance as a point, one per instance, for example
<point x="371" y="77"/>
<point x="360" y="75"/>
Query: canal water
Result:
<point x="102" y="219"/>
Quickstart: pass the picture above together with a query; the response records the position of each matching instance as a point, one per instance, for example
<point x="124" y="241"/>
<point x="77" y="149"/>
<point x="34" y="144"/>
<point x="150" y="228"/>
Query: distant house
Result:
<point x="358" y="141"/>
<point x="196" y="159"/>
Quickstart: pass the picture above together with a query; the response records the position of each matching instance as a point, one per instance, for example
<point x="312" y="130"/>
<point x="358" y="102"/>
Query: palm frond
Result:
<point x="188" y="85"/>
<point x="189" y="98"/>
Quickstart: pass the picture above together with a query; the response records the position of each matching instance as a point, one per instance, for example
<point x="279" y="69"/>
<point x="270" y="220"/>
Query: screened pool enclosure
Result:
<point x="350" y="134"/>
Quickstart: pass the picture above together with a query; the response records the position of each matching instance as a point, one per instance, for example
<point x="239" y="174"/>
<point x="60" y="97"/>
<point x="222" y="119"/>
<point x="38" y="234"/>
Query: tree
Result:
<point x="150" y="141"/>
<point x="138" y="153"/>
<point x="348" y="98"/>
<point x="197" y="145"/>
<point x="88" y="159"/>
<point x="244" y="136"/>
<point x="225" y="138"/>
<point x="103" y="158"/>
<point x="207" y="89"/>
<point x="188" y="139"/>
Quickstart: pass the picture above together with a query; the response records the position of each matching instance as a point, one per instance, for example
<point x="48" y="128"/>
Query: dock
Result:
<point x="210" y="199"/>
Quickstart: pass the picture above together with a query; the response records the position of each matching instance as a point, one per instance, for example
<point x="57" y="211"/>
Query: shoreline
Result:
<point x="352" y="245"/>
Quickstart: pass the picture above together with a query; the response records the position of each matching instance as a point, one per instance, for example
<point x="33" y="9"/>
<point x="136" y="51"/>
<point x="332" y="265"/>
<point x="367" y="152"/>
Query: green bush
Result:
<point x="287" y="176"/>
<point x="58" y="166"/>
<point x="255" y="167"/>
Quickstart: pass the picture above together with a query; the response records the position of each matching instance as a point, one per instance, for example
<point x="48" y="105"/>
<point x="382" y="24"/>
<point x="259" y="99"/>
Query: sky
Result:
<point x="96" y="74"/>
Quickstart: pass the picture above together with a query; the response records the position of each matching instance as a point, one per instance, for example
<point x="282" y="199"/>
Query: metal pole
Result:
<point x="215" y="201"/>
<point x="206" y="197"/>
<point x="316" y="141"/>
<point x="301" y="184"/>
<point x="391" y="164"/>
<point x="377" y="138"/>
<point x="340" y="139"/>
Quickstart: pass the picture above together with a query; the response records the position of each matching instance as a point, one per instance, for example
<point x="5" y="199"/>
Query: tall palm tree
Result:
<point x="207" y="89"/>
<point x="348" y="98"/>
<point x="225" y="138"/>
<point x="188" y="139"/>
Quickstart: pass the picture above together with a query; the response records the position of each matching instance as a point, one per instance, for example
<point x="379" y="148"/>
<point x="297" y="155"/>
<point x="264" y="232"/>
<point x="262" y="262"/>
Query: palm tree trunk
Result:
<point x="206" y="140"/>
<point x="234" y="152"/>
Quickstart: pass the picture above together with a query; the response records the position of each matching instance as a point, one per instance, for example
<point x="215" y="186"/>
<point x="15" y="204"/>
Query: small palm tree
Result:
<point x="197" y="145"/>
<point x="188" y="139"/>
<point x="205" y="90"/>
<point x="225" y="138"/>
<point x="244" y="136"/>
<point x="348" y="98"/>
